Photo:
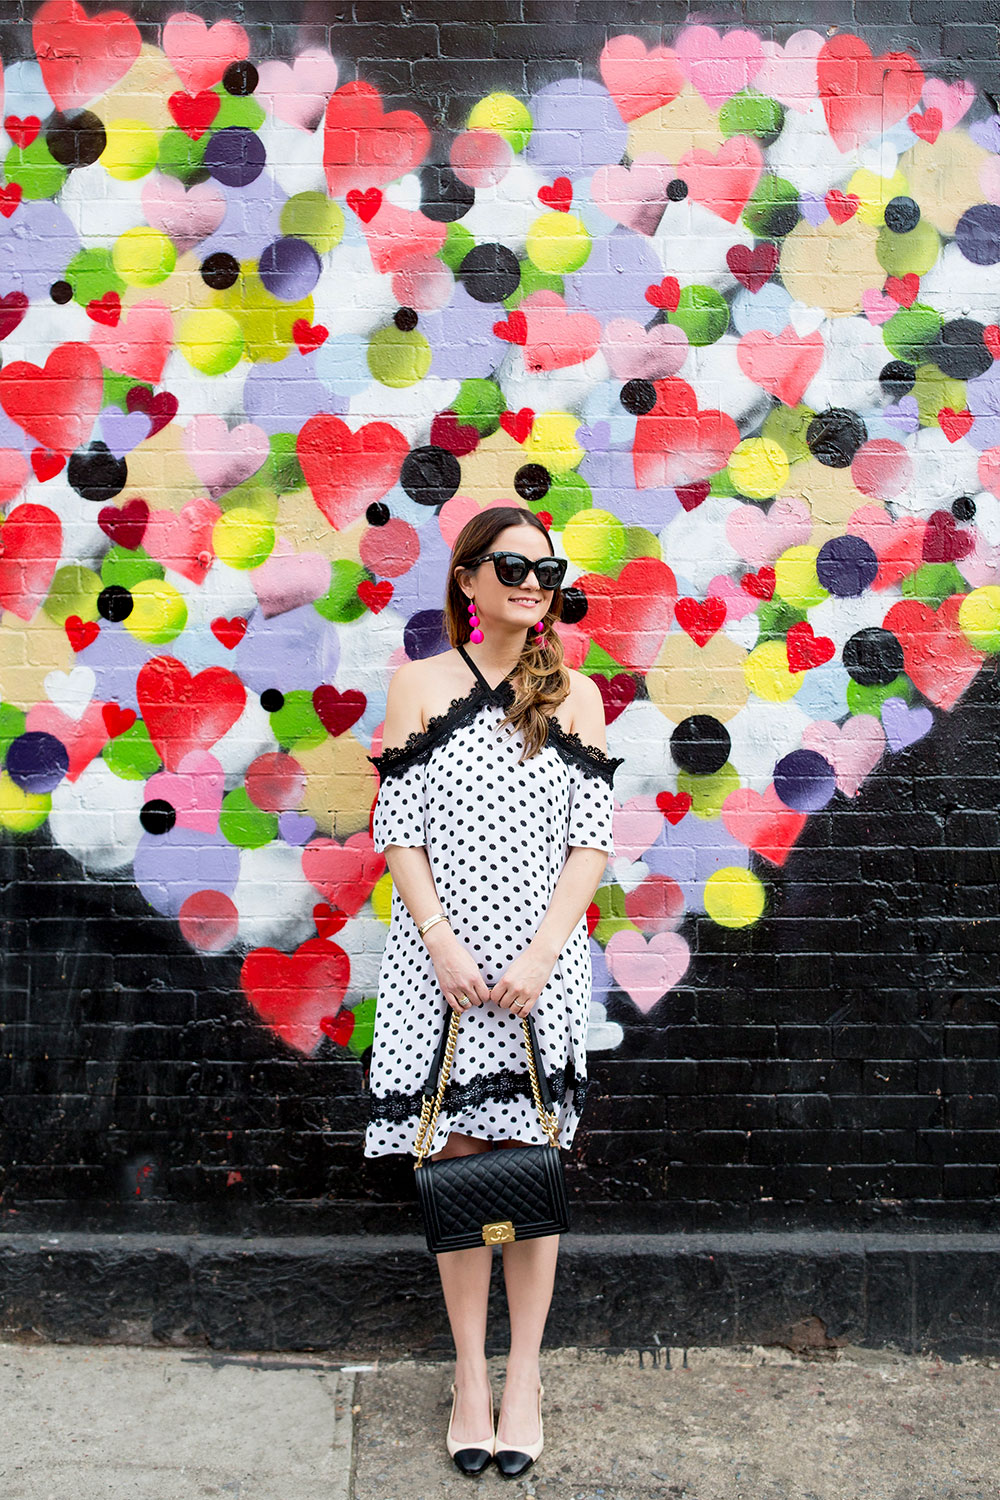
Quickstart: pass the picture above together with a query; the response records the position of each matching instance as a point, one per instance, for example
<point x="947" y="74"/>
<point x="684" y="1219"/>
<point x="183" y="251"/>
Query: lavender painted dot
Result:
<point x="577" y="127"/>
<point x="289" y="268"/>
<point x="172" y="866"/>
<point x="235" y="156"/>
<point x="846" y="566"/>
<point x="978" y="234"/>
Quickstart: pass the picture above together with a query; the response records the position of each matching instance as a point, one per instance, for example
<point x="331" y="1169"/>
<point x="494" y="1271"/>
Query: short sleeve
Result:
<point x="591" y="809"/>
<point x="400" y="807"/>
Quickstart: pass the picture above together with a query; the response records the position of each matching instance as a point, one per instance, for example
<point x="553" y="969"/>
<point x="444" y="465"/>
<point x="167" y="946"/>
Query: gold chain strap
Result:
<point x="431" y="1107"/>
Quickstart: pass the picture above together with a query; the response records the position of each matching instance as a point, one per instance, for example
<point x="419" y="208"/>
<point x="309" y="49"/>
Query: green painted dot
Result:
<point x="117" y="387"/>
<point x="787" y="426"/>
<point x="916" y="251"/>
<point x="340" y="603"/>
<point x="91" y="273"/>
<point x="480" y="404"/>
<point x="131" y="756"/>
<point x="703" y="313"/>
<point x="708" y="793"/>
<point x="775" y="618"/>
<point x="363" y="1035"/>
<point x="34" y="169"/>
<point x="180" y="156"/>
<point x="283" y="470"/>
<point x="933" y="583"/>
<point x="750" y="113"/>
<point x="773" y="209"/>
<point x="933" y="391"/>
<point x="296" y="724"/>
<point x="127" y="568"/>
<point x="567" y="495"/>
<point x="12" y="721"/>
<point x="909" y="333"/>
<point x="720" y="485"/>
<point x="534" y="280"/>
<point x="243" y="823"/>
<point x="314" y="218"/>
<point x="398" y="358"/>
<point x="74" y="591"/>
<point x="457" y="244"/>
<point x="238" y="110"/>
<point x="863" y="699"/>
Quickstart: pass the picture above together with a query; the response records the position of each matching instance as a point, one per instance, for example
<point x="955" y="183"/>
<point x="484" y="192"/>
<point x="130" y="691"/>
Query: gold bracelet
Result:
<point x="438" y="916"/>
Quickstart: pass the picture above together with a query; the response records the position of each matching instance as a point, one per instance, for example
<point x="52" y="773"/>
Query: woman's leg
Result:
<point x="529" y="1269"/>
<point x="465" y="1278"/>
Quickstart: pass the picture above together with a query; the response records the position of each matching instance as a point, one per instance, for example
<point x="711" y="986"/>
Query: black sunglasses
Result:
<point x="513" y="568"/>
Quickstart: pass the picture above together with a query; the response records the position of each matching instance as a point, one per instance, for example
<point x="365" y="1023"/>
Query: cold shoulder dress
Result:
<point x="497" y="834"/>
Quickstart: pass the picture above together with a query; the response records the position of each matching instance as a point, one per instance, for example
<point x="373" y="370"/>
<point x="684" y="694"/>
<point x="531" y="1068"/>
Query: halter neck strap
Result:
<point x="479" y="676"/>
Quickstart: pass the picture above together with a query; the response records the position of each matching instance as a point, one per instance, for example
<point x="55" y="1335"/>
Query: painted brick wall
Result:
<point x="816" y="1044"/>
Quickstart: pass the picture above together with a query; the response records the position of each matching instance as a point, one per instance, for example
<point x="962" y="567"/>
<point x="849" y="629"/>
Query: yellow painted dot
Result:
<point x="875" y="192"/>
<point x="734" y="897"/>
<point x="758" y="467"/>
<point x="243" y="538"/>
<point x="143" y="256"/>
<point x="130" y="149"/>
<point x="382" y="898"/>
<point x="594" y="540"/>
<point x="21" y="812"/>
<point x="210" y="341"/>
<point x="795" y="578"/>
<point x="159" y="612"/>
<point x="979" y="618"/>
<point x="552" y="441"/>
<point x="767" y="674"/>
<point x="558" y="243"/>
<point x="505" y="115"/>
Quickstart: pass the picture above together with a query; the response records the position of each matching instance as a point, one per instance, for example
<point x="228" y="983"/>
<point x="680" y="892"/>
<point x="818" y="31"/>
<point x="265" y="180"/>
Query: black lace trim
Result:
<point x="504" y="1086"/>
<point x="463" y="709"/>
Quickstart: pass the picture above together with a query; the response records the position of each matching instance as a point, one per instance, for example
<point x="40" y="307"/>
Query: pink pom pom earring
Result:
<point x="477" y="634"/>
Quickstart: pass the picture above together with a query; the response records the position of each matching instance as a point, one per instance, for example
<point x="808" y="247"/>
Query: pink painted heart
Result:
<point x="719" y="66"/>
<point x="864" y="96"/>
<point x="396" y="236"/>
<point x="634" y="196"/>
<point x="13" y="473"/>
<point x="937" y="658"/>
<point x="723" y="180"/>
<point x="82" y="56"/>
<point x="347" y="470"/>
<point x="195" y="791"/>
<point x="638" y="823"/>
<point x="139" y="343"/>
<point x="556" y="338"/>
<point x="952" y="100"/>
<point x="853" y="748"/>
<point x="290" y="579"/>
<point x="761" y="536"/>
<point x="186" y="215"/>
<point x="56" y="403"/>
<point x="363" y="146"/>
<point x="224" y="457"/>
<point x="199" y="53"/>
<point x="183" y="540"/>
<point x="982" y="566"/>
<point x="789" y="72"/>
<point x="677" y="442"/>
<point x="30" y="547"/>
<point x="763" y="823"/>
<point x="647" y="969"/>
<point x="84" y="737"/>
<point x="298" y="94"/>
<point x="737" y="601"/>
<point x="782" y="363"/>
<point x="898" y="545"/>
<point x="877" y="307"/>
<point x="640" y="79"/>
<point x="345" y="874"/>
<point x="638" y="353"/>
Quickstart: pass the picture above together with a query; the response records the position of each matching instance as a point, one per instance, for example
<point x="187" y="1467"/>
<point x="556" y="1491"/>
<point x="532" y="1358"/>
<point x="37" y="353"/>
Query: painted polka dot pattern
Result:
<point x="497" y="834"/>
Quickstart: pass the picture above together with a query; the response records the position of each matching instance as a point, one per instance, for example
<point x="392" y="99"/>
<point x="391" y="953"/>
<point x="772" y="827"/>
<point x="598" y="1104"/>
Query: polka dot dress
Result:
<point x="497" y="835"/>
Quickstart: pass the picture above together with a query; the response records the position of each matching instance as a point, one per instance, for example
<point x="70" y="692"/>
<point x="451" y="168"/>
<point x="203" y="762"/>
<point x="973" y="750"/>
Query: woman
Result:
<point x="494" y="812"/>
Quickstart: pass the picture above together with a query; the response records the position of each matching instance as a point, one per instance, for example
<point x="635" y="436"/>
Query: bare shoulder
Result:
<point x="583" y="710"/>
<point x="418" y="690"/>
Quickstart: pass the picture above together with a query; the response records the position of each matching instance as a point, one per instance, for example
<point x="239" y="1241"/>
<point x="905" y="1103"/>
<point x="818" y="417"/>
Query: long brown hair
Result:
<point x="540" y="680"/>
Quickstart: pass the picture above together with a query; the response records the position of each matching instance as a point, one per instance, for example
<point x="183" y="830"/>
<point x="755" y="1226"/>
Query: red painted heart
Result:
<point x="617" y="693"/>
<point x="82" y="56"/>
<point x="329" y="919"/>
<point x="344" y="874"/>
<point x="928" y="125"/>
<point x="117" y="719"/>
<point x="674" y="806"/>
<point x="46" y="464"/>
<point x="184" y="713"/>
<point x="30" y="547"/>
<point x="363" y="146"/>
<point x="339" y="1028"/>
<point x="308" y="336"/>
<point x="347" y="470"/>
<point x="666" y="294"/>
<point x="937" y="658"/>
<point x="943" y="541"/>
<point x="518" y="424"/>
<point x="759" y="585"/>
<point x="10" y="197"/>
<point x="161" y="409"/>
<point x="194" y="113"/>
<point x="56" y="403"/>
<point x="336" y="710"/>
<point x="375" y="596"/>
<point x="81" y="633"/>
<point x="457" y="437"/>
<point x="22" y="131"/>
<point x="864" y="95"/>
<point x="106" y="309"/>
<point x="805" y="649"/>
<point x="753" y="268"/>
<point x="229" y="633"/>
<point x="559" y="196"/>
<point x="365" y="204"/>
<point x="841" y="206"/>
<point x="13" y="306"/>
<point x="954" y="424"/>
<point x="513" y="330"/>
<point x="903" y="289"/>
<point x="629" y="616"/>
<point x="701" y="618"/>
<point x="293" y="993"/>
<point x="125" y="524"/>
<point x="693" y="495"/>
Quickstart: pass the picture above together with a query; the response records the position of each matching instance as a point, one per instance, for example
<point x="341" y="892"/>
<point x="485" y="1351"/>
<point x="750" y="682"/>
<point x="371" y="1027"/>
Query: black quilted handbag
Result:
<point x="514" y="1193"/>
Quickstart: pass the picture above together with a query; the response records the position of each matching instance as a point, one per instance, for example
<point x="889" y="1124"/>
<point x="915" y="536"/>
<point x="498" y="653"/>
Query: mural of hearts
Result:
<point x="727" y="319"/>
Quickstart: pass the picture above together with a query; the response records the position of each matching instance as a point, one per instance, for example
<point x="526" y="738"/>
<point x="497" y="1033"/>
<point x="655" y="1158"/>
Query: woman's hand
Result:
<point x="456" y="969"/>
<point x="523" y="980"/>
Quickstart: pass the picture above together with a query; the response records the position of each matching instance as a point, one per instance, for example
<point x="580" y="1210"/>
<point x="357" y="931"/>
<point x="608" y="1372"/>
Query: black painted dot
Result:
<point x="700" y="744"/>
<point x="834" y="437"/>
<point x="677" y="190"/>
<point x="443" y="196"/>
<point x="61" y="292"/>
<point x="902" y="215"/>
<point x="240" y="79"/>
<point x="114" y="603"/>
<point x="490" y="273"/>
<point x="532" y="481"/>
<point x="897" y="378"/>
<point x="220" y="270"/>
<point x="638" y="397"/>
<point x="378" y="513"/>
<point x="574" y="605"/>
<point x="272" y="700"/>
<point x="959" y="351"/>
<point x="405" y="319"/>
<point x="75" y="140"/>
<point x="157" y="816"/>
<point x="430" y="476"/>
<point x="964" y="508"/>
<point x="95" y="473"/>
<point x="873" y="657"/>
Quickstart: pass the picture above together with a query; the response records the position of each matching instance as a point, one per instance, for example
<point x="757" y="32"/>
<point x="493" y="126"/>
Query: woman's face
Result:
<point x="521" y="604"/>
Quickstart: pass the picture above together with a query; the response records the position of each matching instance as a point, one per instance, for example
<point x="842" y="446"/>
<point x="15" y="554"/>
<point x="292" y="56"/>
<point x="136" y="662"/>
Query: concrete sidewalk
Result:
<point x="109" y="1422"/>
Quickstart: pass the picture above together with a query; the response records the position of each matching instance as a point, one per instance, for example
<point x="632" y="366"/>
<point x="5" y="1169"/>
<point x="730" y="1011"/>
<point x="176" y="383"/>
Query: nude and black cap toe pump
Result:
<point x="514" y="1461"/>
<point x="470" y="1458"/>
